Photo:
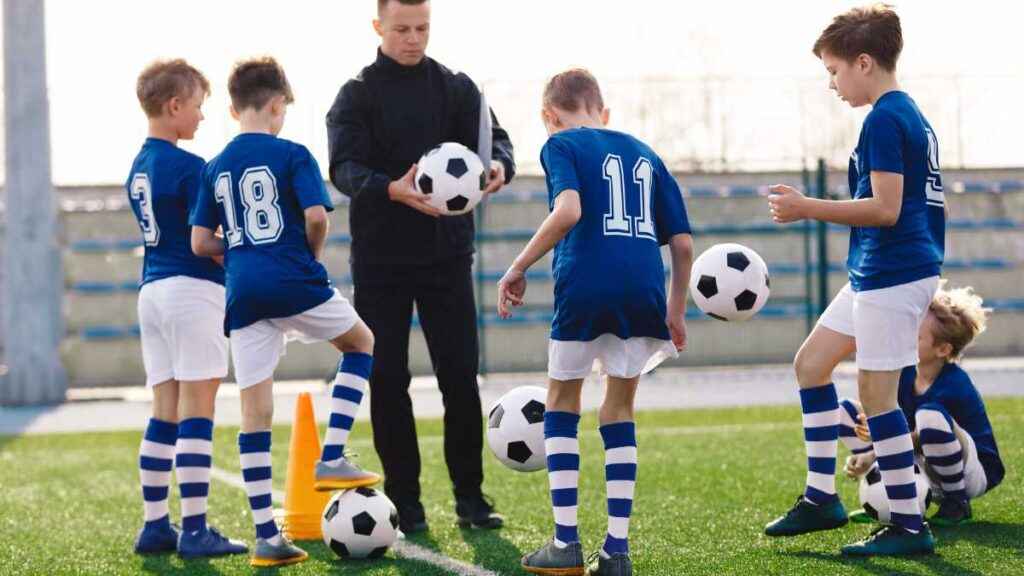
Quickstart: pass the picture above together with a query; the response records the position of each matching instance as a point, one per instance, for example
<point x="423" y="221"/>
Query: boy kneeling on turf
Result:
<point x="953" y="439"/>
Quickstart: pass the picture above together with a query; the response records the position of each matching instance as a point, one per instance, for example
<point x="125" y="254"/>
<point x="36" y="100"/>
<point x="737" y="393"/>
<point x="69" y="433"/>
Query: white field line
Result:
<point x="403" y="548"/>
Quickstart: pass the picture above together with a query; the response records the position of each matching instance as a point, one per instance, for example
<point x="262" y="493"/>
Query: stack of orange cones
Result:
<point x="303" y="505"/>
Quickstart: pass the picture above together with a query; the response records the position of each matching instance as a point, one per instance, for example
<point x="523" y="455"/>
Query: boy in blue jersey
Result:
<point x="955" y="444"/>
<point x="181" y="311"/>
<point x="897" y="223"/>
<point x="613" y="205"/>
<point x="268" y="196"/>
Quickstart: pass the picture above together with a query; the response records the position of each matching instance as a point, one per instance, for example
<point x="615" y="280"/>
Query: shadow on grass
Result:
<point x="1000" y="535"/>
<point x="935" y="564"/>
<point x="492" y="550"/>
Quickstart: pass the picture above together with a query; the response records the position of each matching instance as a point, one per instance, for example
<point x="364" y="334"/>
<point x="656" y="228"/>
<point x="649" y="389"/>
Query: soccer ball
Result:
<point x="452" y="177"/>
<point x="875" y="500"/>
<point x="729" y="282"/>
<point x="515" y="428"/>
<point x="359" y="523"/>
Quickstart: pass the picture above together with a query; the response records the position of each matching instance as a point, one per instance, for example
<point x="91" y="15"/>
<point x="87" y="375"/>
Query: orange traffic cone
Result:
<point x="302" y="504"/>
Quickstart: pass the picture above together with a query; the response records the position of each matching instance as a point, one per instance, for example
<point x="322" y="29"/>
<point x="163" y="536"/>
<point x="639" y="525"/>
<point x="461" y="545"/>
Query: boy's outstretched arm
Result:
<point x="565" y="215"/>
<point x="316" y="229"/>
<point x="681" y="247"/>
<point x="205" y="242"/>
<point x="883" y="209"/>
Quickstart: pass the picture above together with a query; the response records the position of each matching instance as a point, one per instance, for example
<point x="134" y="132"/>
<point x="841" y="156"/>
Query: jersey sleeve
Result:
<point x="204" y="207"/>
<point x="307" y="181"/>
<point x="559" y="167"/>
<point x="669" y="209"/>
<point x="884" y="143"/>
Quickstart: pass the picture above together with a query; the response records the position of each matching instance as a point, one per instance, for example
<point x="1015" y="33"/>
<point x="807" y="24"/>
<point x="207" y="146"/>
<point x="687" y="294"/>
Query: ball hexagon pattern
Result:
<point x="515" y="428"/>
<point x="729" y="282"/>
<point x="452" y="177"/>
<point x="360" y="523"/>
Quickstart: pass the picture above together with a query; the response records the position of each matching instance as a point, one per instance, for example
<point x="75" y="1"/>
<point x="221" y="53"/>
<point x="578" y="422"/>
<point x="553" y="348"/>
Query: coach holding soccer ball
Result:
<point x="399" y="107"/>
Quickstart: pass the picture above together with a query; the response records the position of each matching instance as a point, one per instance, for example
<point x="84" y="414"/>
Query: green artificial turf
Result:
<point x="708" y="482"/>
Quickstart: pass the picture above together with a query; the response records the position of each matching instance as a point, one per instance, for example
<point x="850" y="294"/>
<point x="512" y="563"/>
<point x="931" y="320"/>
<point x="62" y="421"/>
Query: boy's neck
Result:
<point x="886" y="83"/>
<point x="255" y="122"/>
<point x="927" y="372"/>
<point x="161" y="131"/>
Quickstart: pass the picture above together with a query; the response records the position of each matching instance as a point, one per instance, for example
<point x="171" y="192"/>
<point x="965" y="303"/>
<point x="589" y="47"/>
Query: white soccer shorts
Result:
<point x="258" y="347"/>
<point x="182" y="324"/>
<point x="609" y="355"/>
<point x="884" y="322"/>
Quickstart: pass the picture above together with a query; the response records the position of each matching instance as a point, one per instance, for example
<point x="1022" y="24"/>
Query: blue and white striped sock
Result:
<point x="156" y="459"/>
<point x="847" y="421"/>
<point x="346" y="394"/>
<point x="895" y="451"/>
<point x="942" y="449"/>
<point x="193" y="461"/>
<point x="620" y="466"/>
<point x="254" y="448"/>
<point x="821" y="429"/>
<point x="562" y="447"/>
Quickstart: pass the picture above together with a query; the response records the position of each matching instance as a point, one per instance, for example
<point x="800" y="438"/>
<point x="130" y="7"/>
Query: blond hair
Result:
<point x="959" y="317"/>
<point x="166" y="79"/>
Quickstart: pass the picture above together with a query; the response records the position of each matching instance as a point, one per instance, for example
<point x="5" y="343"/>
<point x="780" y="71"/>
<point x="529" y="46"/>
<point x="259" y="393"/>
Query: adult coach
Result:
<point x="402" y="105"/>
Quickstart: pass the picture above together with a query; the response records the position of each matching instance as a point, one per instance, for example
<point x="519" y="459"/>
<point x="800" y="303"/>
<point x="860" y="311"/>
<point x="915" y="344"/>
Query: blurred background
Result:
<point x="728" y="93"/>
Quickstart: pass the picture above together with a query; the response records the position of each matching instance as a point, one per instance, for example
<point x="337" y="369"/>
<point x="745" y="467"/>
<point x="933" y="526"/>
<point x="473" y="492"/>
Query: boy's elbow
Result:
<point x="890" y="216"/>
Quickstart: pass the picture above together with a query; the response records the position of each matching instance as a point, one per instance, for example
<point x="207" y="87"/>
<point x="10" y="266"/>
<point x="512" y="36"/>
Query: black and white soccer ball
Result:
<point x="875" y="500"/>
<point x="729" y="282"/>
<point x="452" y="177"/>
<point x="515" y="428"/>
<point x="359" y="523"/>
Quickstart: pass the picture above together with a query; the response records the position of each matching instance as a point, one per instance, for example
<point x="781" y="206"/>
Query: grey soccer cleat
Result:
<point x="617" y="565"/>
<point x="266" y="554"/>
<point x="551" y="560"/>
<point x="342" y="474"/>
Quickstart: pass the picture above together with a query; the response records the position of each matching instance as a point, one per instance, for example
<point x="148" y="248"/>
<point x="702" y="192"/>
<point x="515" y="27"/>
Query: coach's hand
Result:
<point x="858" y="464"/>
<point x="404" y="191"/>
<point x="786" y="204"/>
<point x="495" y="177"/>
<point x="511" y="289"/>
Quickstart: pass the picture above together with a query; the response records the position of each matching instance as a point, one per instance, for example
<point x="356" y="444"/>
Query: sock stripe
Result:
<point x="154" y="493"/>
<point x="563" y="464"/>
<point x="620" y="507"/>
<point x="194" y="490"/>
<point x="620" y="471"/>
<point x="356" y="363"/>
<point x="258" y="481"/>
<point x="352" y="395"/>
<point x="156" y="464"/>
<point x="822" y="465"/>
<point x="194" y="460"/>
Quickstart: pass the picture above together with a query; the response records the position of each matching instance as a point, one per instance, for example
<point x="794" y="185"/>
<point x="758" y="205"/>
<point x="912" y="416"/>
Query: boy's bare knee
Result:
<point x="358" y="339"/>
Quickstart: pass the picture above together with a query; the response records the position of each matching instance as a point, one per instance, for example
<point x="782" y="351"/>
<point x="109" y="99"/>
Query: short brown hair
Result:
<point x="572" y="89"/>
<point x="960" y="316"/>
<point x="255" y="81"/>
<point x="381" y="4"/>
<point x="873" y="30"/>
<point x="166" y="79"/>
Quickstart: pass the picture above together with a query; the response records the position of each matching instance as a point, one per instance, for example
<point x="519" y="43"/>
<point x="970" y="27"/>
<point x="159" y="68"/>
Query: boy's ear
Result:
<point x="865" y="63"/>
<point x="605" y="115"/>
<point x="945" y="350"/>
<point x="173" y="106"/>
<point x="234" y="113"/>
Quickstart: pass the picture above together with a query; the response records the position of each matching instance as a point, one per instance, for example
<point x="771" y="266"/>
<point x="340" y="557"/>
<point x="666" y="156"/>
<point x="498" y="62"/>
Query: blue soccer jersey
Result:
<point x="256" y="190"/>
<point x="609" y="276"/>
<point x="897" y="138"/>
<point x="956" y="393"/>
<point x="162" y="188"/>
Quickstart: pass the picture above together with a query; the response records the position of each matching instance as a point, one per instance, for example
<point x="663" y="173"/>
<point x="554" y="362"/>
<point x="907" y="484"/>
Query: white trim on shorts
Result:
<point x="181" y="325"/>
<point x="258" y="347"/>
<point x="883" y="322"/>
<point x="609" y="355"/>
